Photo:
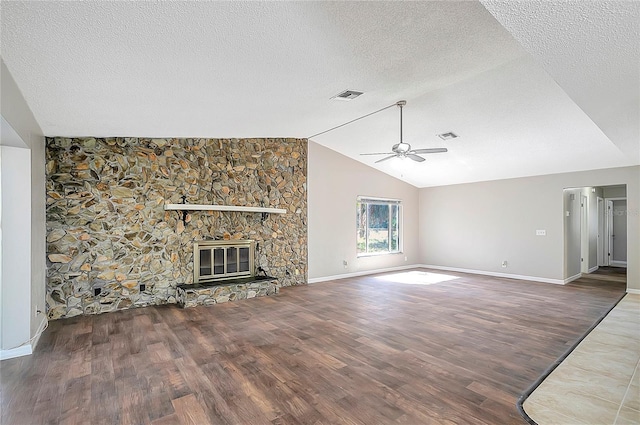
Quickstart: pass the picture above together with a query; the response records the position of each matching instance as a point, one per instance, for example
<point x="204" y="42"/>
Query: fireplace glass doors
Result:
<point x="220" y="260"/>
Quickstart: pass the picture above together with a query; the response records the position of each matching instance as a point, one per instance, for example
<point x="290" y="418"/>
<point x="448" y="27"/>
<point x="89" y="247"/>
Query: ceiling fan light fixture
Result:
<point x="401" y="147"/>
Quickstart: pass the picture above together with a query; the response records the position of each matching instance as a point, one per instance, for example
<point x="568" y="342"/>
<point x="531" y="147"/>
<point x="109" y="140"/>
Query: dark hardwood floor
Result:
<point x="367" y="350"/>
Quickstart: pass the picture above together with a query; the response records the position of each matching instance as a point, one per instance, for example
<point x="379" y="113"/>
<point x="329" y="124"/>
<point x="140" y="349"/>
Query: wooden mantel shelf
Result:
<point x="199" y="207"/>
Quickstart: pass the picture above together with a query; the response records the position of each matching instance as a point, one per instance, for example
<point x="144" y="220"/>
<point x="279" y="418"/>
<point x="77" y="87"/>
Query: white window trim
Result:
<point x="383" y="201"/>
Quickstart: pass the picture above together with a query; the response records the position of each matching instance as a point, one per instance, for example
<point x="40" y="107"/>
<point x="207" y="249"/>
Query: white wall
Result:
<point x="334" y="183"/>
<point x="16" y="246"/>
<point x="477" y="226"/>
<point x="16" y="113"/>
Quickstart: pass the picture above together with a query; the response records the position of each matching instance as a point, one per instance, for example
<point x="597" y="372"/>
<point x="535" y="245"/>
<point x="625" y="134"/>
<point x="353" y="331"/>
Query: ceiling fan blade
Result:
<point x="384" y="159"/>
<point x="415" y="157"/>
<point x="378" y="153"/>
<point x="432" y="150"/>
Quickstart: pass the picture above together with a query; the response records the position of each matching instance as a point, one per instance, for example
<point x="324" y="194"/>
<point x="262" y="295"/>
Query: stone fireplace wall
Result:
<point x="111" y="245"/>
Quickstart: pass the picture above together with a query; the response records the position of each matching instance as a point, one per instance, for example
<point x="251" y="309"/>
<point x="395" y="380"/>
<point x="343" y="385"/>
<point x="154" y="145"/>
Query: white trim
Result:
<point x="496" y="274"/>
<point x="593" y="269"/>
<point x="373" y="199"/>
<point x="24" y="350"/>
<point x="572" y="278"/>
<point x="376" y="254"/>
<point x="616" y="263"/>
<point x="633" y="291"/>
<point x="41" y="328"/>
<point x="602" y="224"/>
<point x="200" y="207"/>
<point x="28" y="347"/>
<point x="460" y="270"/>
<point x="584" y="234"/>
<point x="361" y="273"/>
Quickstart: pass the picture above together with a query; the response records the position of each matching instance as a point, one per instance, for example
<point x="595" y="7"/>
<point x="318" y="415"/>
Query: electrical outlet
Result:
<point x="344" y="263"/>
<point x="405" y="258"/>
<point x="504" y="264"/>
<point x="36" y="311"/>
<point x="541" y="232"/>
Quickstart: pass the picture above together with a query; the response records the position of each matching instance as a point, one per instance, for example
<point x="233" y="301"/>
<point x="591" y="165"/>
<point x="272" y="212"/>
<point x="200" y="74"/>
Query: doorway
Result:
<point x="617" y="225"/>
<point x="595" y="231"/>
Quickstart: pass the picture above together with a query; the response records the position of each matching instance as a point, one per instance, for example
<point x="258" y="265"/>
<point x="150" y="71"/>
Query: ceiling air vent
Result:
<point x="347" y="95"/>
<point x="448" y="136"/>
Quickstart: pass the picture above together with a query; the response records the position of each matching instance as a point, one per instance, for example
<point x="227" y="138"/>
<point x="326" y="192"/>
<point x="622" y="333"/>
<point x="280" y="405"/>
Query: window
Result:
<point x="378" y="224"/>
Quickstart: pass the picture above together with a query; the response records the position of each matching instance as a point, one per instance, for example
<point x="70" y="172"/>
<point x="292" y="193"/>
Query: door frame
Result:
<point x="584" y="234"/>
<point x="610" y="225"/>
<point x="608" y="245"/>
<point x="609" y="228"/>
<point x="601" y="231"/>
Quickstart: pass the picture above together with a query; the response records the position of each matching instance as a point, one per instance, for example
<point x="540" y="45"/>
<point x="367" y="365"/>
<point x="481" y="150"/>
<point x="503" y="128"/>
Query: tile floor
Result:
<point x="599" y="382"/>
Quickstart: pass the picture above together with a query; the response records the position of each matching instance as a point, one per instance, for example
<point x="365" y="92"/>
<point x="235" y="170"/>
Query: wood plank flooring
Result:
<point x="366" y="350"/>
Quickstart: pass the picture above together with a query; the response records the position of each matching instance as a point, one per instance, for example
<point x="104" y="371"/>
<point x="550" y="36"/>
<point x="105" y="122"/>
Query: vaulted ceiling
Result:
<point x="531" y="88"/>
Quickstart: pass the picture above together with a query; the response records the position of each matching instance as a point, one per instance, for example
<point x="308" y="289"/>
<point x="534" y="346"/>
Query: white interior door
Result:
<point x="584" y="235"/>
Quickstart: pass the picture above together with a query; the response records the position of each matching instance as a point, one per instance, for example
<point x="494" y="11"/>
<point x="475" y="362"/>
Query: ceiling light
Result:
<point x="347" y="95"/>
<point x="448" y="136"/>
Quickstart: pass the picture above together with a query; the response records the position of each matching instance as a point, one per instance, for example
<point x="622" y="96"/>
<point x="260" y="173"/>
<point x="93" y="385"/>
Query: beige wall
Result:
<point x="477" y="226"/>
<point x="17" y="113"/>
<point x="334" y="183"/>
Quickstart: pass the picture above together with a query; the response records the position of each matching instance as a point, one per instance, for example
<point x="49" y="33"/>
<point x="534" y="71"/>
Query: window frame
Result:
<point x="371" y="200"/>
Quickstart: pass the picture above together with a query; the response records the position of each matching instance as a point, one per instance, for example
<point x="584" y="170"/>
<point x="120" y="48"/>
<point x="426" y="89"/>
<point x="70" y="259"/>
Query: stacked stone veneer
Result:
<point x="108" y="232"/>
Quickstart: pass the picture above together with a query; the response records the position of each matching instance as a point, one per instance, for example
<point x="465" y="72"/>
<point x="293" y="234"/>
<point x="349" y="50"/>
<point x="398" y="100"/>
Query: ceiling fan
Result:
<point x="402" y="149"/>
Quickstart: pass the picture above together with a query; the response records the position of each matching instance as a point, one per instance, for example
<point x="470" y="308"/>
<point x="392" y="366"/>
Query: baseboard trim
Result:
<point x="460" y="270"/>
<point x="41" y="327"/>
<point x="572" y="278"/>
<point x="27" y="348"/>
<point x="593" y="269"/>
<point x="361" y="273"/>
<point x="618" y="264"/>
<point x="633" y="291"/>
<point x="497" y="274"/>
<point x="24" y="350"/>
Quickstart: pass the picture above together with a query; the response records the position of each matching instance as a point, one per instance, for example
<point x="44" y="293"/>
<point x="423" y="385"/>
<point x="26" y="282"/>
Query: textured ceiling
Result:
<point x="592" y="50"/>
<point x="268" y="69"/>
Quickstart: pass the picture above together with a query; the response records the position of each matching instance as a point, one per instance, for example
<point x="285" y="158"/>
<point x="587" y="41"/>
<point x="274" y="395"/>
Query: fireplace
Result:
<point x="222" y="260"/>
<point x="224" y="271"/>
